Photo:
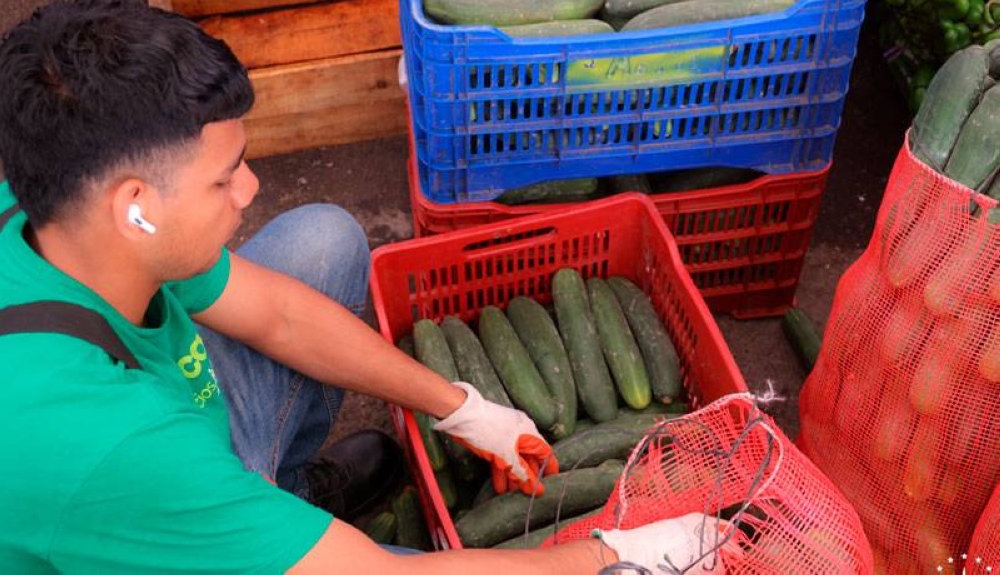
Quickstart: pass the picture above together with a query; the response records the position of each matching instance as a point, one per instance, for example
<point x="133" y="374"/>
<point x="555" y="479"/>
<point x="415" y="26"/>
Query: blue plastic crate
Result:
<point x="492" y="113"/>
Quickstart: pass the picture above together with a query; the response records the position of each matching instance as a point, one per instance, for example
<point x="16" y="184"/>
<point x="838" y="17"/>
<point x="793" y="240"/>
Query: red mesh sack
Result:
<point x="900" y="409"/>
<point x="984" y="552"/>
<point x="731" y="460"/>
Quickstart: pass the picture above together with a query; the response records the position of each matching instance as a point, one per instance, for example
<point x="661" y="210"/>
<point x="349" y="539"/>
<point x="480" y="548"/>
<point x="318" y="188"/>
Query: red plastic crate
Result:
<point x="460" y="272"/>
<point x="744" y="245"/>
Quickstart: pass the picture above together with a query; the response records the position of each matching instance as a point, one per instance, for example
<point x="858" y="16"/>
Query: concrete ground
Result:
<point x="369" y="179"/>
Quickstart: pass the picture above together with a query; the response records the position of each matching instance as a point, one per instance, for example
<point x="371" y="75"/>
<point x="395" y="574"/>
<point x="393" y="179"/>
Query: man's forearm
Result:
<point x="585" y="557"/>
<point x="322" y="339"/>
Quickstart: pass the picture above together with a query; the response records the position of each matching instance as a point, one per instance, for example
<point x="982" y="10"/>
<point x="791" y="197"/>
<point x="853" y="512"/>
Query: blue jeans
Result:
<point x="279" y="418"/>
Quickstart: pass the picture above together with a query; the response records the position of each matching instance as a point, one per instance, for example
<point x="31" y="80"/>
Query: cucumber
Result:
<point x="538" y="536"/>
<point x="803" y="335"/>
<point x="583" y="346"/>
<point x="518" y="373"/>
<point x="473" y="365"/>
<point x="449" y="491"/>
<point x="540" y="336"/>
<point x="382" y="528"/>
<point x="947" y="288"/>
<point x="485" y="493"/>
<point x="694" y="12"/>
<point x="432" y="441"/>
<point x="630" y="183"/>
<point x="976" y="156"/>
<point x="613" y="439"/>
<point x="950" y="98"/>
<point x="626" y="9"/>
<point x="558" y="28"/>
<point x="567" y="493"/>
<point x="551" y="192"/>
<point x="425" y="423"/>
<point x="675" y="408"/>
<point x="701" y="178"/>
<point x="509" y="12"/>
<point x="620" y="348"/>
<point x="411" y="531"/>
<point x="658" y="352"/>
<point x="433" y="351"/>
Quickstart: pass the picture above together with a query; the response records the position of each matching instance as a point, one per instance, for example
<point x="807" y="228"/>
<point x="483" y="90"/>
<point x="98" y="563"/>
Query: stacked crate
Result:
<point x="325" y="72"/>
<point x="490" y="113"/>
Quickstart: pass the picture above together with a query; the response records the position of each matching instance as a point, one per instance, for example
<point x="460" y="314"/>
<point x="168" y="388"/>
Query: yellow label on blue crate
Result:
<point x="644" y="69"/>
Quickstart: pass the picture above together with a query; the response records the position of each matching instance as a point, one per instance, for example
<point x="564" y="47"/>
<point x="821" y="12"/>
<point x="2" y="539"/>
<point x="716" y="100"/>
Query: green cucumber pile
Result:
<point x="919" y="35"/>
<point x="956" y="128"/>
<point x="540" y="18"/>
<point x="594" y="373"/>
<point x="670" y="181"/>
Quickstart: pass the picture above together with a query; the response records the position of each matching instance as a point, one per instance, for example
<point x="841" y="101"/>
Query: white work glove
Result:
<point x="505" y="437"/>
<point x="674" y="543"/>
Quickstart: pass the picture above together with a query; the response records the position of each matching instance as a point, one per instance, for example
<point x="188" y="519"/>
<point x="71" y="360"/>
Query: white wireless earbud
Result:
<point x="135" y="217"/>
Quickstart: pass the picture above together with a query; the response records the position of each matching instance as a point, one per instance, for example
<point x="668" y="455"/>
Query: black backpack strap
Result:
<point x="68" y="319"/>
<point x="7" y="214"/>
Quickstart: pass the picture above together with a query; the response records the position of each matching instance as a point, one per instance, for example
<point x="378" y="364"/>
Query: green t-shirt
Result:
<point x="111" y="470"/>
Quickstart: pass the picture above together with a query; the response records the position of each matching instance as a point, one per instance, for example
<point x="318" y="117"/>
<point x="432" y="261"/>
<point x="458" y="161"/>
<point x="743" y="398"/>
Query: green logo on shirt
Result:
<point x="193" y="365"/>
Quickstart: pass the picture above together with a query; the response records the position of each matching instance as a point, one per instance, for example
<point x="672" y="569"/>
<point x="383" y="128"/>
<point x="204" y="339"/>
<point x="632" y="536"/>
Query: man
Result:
<point x="176" y="448"/>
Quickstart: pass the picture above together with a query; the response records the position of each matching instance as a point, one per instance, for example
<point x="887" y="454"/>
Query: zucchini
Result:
<point x="950" y="98"/>
<point x="411" y="531"/>
<point x="536" y="537"/>
<point x="433" y="351"/>
<point x="675" y="408"/>
<point x="471" y="361"/>
<point x="540" y="336"/>
<point x="551" y="192"/>
<point x="620" y="348"/>
<point x="583" y="346"/>
<point x="382" y="528"/>
<point x="425" y="423"/>
<point x="976" y="156"/>
<point x="658" y="352"/>
<point x="694" y="12"/>
<point x="518" y="373"/>
<point x="567" y="493"/>
<point x="509" y="12"/>
<point x="803" y="335"/>
<point x="558" y="28"/>
<point x="626" y="9"/>
<point x="613" y="439"/>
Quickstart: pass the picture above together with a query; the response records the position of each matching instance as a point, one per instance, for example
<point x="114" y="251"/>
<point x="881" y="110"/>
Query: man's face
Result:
<point x="205" y="208"/>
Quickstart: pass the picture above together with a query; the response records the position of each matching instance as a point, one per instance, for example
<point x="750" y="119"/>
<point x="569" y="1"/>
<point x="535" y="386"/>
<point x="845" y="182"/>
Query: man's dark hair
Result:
<point x="90" y="86"/>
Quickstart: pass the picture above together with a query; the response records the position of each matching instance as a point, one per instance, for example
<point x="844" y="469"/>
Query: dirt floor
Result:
<point x="369" y="179"/>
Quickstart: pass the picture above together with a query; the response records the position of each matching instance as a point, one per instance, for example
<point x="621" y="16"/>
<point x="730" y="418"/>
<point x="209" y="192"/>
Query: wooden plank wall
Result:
<point x="324" y="73"/>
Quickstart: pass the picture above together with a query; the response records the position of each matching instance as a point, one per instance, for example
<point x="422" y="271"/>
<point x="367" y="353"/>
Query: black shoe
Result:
<point x="355" y="473"/>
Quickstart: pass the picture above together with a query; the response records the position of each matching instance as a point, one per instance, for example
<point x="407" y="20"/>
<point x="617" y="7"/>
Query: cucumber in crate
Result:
<point x="503" y="277"/>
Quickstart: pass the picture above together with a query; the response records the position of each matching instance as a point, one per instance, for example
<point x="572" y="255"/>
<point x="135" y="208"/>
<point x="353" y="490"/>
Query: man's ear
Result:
<point x="134" y="207"/>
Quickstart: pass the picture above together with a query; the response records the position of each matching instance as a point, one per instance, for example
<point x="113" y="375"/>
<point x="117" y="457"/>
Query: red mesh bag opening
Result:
<point x="984" y="552"/>
<point x="731" y="460"/>
<point x="900" y="409"/>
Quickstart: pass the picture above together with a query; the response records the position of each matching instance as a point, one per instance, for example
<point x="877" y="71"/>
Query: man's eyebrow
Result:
<point x="233" y="167"/>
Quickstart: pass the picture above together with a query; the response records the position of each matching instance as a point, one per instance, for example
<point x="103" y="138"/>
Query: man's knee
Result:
<point x="317" y="243"/>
